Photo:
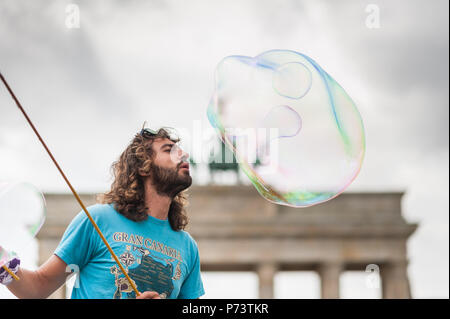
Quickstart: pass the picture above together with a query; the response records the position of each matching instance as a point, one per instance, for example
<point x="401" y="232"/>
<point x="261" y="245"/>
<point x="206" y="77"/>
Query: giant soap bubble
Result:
<point x="295" y="132"/>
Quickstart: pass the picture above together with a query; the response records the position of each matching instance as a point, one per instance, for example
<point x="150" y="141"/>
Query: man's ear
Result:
<point x="143" y="173"/>
<point x="145" y="169"/>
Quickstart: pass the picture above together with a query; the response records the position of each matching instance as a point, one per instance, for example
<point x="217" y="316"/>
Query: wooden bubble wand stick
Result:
<point x="70" y="186"/>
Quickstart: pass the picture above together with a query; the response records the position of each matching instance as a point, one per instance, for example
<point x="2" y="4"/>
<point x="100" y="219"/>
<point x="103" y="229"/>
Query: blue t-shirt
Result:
<point x="156" y="257"/>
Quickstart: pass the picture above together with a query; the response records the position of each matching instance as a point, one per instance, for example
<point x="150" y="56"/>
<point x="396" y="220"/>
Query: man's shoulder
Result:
<point x="187" y="237"/>
<point x="97" y="212"/>
<point x="99" y="209"/>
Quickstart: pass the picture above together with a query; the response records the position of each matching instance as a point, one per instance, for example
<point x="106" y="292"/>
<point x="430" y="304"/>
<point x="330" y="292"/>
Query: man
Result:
<point x="142" y="217"/>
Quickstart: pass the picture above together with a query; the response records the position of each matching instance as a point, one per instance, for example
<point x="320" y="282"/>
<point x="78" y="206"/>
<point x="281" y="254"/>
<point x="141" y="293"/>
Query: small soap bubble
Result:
<point x="22" y="214"/>
<point x="292" y="80"/>
<point x="285" y="119"/>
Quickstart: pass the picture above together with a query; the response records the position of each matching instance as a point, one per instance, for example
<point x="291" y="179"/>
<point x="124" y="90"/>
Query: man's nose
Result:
<point x="181" y="154"/>
<point x="184" y="156"/>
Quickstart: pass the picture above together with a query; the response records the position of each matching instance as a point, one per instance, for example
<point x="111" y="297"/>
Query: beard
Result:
<point x="169" y="181"/>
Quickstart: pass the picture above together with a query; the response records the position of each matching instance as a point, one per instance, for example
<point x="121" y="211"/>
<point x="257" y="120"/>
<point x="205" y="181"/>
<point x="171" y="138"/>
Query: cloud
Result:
<point x="88" y="90"/>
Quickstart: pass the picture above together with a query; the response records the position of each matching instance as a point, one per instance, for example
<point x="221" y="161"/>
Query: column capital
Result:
<point x="336" y="265"/>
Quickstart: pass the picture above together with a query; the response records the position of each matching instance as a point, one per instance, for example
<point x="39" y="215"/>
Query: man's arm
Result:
<point x="42" y="282"/>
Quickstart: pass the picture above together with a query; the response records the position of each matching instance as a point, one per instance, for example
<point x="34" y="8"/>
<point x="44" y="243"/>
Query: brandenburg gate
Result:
<point x="237" y="230"/>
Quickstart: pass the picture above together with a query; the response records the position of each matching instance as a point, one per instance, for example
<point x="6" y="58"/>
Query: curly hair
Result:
<point x="127" y="192"/>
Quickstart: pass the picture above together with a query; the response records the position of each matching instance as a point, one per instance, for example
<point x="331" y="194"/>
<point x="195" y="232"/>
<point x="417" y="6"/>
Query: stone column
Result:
<point x="329" y="273"/>
<point x="266" y="273"/>
<point x="394" y="280"/>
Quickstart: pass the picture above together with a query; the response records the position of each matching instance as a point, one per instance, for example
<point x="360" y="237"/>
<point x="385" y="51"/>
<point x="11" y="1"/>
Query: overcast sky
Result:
<point x="89" y="89"/>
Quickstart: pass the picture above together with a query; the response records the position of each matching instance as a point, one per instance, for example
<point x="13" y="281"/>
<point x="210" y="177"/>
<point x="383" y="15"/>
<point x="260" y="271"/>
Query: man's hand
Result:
<point x="148" y="295"/>
<point x="42" y="282"/>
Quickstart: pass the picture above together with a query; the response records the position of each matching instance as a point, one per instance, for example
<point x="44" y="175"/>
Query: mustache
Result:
<point x="181" y="163"/>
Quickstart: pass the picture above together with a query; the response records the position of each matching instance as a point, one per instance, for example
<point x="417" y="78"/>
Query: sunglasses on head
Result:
<point x="148" y="132"/>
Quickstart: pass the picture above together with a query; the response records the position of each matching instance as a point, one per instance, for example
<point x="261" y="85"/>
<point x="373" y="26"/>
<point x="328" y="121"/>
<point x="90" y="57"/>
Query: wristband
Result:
<point x="13" y="265"/>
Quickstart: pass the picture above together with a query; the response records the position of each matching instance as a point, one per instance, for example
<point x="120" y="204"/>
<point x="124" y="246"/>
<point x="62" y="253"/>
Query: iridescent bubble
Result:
<point x="22" y="214"/>
<point x="5" y="256"/>
<point x="300" y="136"/>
